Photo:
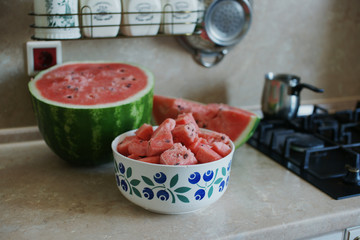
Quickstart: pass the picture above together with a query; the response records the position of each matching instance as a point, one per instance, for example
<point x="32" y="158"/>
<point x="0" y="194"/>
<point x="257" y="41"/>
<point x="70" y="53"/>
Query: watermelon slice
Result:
<point x="178" y="154"/>
<point x="236" y="123"/>
<point x="81" y="106"/>
<point x="138" y="147"/>
<point x="152" y="159"/>
<point x="206" y="154"/>
<point x="194" y="147"/>
<point x="162" y="138"/>
<point x="221" y="148"/>
<point x="145" y="131"/>
<point x="185" y="134"/>
<point x="123" y="146"/>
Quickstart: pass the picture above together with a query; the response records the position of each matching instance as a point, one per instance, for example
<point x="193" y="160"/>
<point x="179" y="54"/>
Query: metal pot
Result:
<point x="224" y="24"/>
<point x="281" y="95"/>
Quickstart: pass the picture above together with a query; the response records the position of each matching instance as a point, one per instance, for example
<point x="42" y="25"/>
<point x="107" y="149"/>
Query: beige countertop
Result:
<point x="42" y="197"/>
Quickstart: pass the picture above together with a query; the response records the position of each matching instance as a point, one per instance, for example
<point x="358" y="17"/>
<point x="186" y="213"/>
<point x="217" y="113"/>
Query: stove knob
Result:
<point x="352" y="176"/>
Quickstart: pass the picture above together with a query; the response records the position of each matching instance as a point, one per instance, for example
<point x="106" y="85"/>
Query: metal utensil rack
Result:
<point x="81" y="25"/>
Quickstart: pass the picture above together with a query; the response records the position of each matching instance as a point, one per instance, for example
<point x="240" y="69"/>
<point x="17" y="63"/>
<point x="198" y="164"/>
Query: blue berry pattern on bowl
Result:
<point x="166" y="188"/>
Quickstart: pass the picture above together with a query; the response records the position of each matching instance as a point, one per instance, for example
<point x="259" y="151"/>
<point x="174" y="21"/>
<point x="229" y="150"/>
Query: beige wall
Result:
<point x="316" y="39"/>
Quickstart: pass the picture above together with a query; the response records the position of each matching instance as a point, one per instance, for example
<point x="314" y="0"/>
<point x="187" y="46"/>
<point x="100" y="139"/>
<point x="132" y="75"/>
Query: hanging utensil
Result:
<point x="224" y="24"/>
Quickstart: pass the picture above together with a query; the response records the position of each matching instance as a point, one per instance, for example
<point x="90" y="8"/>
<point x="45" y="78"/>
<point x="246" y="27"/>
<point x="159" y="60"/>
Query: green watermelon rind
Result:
<point x="82" y="135"/>
<point x="248" y="131"/>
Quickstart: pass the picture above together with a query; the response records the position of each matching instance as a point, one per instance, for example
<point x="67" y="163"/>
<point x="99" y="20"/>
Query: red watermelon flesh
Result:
<point x="164" y="107"/>
<point x="214" y="137"/>
<point x="185" y="134"/>
<point x="206" y="154"/>
<point x="123" y="146"/>
<point x="152" y="159"/>
<point x="178" y="155"/>
<point x="194" y="147"/>
<point x="145" y="131"/>
<point x="236" y="123"/>
<point x="176" y="144"/>
<point x="186" y="118"/>
<point x="221" y="148"/>
<point x="162" y="138"/>
<point x="134" y="156"/>
<point x="138" y="147"/>
<point x="92" y="83"/>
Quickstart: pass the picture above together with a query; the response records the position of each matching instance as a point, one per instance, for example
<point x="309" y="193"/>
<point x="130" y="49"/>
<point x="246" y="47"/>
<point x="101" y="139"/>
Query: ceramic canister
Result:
<point x="141" y="17"/>
<point x="100" y="18"/>
<point x="179" y="16"/>
<point x="56" y="19"/>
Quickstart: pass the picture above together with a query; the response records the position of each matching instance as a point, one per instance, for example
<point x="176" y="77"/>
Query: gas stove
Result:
<point x="322" y="148"/>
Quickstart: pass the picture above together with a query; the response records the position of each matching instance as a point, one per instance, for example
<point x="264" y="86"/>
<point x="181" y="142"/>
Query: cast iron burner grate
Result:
<point x="321" y="148"/>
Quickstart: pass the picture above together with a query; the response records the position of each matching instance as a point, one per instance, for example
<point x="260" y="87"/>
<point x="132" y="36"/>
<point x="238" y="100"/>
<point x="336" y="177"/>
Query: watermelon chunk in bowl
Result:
<point x="81" y="106"/>
<point x="171" y="189"/>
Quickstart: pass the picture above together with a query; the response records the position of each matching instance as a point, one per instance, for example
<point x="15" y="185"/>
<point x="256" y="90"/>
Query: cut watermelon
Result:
<point x="144" y="132"/>
<point x="185" y="134"/>
<point x="123" y="146"/>
<point x="81" y="107"/>
<point x="162" y="138"/>
<point x="206" y="154"/>
<point x="152" y="159"/>
<point x="236" y="123"/>
<point x="212" y="137"/>
<point x="173" y="144"/>
<point x="194" y="147"/>
<point x="186" y="118"/>
<point x="221" y="148"/>
<point x="138" y="147"/>
<point x="178" y="155"/>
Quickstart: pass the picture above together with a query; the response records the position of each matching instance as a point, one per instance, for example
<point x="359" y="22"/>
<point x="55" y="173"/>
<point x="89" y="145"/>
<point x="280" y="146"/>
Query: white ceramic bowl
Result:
<point x="170" y="189"/>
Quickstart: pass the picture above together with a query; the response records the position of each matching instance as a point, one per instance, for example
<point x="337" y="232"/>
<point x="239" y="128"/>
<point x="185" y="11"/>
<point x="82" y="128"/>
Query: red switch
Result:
<point x="44" y="58"/>
<point x="41" y="55"/>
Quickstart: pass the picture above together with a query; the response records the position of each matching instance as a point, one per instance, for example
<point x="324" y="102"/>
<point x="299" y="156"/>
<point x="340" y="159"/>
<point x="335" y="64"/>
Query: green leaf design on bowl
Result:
<point x="147" y="180"/>
<point x="175" y="192"/>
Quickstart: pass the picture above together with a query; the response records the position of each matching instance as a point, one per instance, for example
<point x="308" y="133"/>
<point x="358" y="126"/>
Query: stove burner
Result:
<point x="304" y="141"/>
<point x="322" y="148"/>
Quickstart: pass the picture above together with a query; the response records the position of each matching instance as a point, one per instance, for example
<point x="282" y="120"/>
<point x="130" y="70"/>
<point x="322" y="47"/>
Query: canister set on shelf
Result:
<point x="73" y="19"/>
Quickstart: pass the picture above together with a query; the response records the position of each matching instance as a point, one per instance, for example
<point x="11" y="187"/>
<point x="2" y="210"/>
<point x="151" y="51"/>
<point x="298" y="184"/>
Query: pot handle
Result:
<point x="217" y="57"/>
<point x="297" y="89"/>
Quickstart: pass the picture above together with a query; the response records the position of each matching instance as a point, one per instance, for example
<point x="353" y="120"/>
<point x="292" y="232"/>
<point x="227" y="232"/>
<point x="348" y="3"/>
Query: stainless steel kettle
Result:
<point x="281" y="95"/>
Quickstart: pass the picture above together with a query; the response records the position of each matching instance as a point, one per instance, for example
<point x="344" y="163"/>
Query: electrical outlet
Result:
<point x="42" y="55"/>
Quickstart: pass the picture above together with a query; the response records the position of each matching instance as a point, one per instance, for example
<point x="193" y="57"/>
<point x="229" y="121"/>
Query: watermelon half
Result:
<point x="237" y="123"/>
<point x="82" y="106"/>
